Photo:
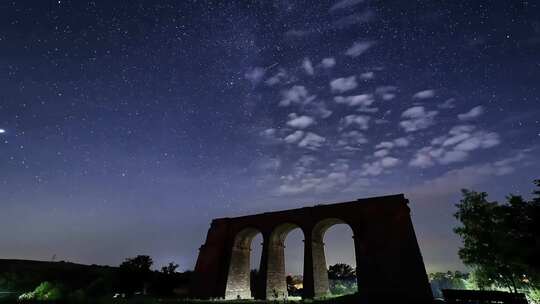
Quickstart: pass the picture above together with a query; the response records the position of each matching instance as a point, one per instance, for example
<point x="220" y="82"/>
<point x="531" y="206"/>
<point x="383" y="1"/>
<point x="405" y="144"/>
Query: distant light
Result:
<point x="2" y="131"/>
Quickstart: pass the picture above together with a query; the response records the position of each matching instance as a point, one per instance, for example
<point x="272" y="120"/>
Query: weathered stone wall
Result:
<point x="238" y="280"/>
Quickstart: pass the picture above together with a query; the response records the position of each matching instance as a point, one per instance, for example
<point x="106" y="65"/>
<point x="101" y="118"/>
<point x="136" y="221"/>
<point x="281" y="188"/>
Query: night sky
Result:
<point x="126" y="126"/>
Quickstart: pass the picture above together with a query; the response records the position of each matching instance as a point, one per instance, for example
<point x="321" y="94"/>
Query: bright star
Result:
<point x="2" y="131"/>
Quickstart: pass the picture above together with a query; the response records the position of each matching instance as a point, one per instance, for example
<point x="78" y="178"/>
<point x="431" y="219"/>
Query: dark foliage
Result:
<point x="500" y="241"/>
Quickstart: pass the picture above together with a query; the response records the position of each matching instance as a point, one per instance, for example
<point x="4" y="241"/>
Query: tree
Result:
<point x="141" y="263"/>
<point x="341" y="271"/>
<point x="135" y="273"/>
<point x="170" y="268"/>
<point x="499" y="240"/>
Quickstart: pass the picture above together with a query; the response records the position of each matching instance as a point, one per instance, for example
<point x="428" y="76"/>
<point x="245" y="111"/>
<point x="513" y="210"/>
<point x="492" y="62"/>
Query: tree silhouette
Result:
<point x="341" y="271"/>
<point x="170" y="268"/>
<point x="500" y="241"/>
<point x="135" y="274"/>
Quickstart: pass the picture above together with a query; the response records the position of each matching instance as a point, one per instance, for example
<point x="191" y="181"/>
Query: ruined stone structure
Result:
<point x="388" y="259"/>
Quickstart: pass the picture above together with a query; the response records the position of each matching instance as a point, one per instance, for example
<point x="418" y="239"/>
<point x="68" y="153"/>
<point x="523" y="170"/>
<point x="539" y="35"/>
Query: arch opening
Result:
<point x="241" y="279"/>
<point x="276" y="280"/>
<point x="334" y="263"/>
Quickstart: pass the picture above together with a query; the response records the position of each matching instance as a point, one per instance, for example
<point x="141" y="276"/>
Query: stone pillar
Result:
<point x="276" y="286"/>
<point x="238" y="280"/>
<point x="320" y="273"/>
<point x="364" y="266"/>
<point x="308" y="291"/>
<point x="260" y="292"/>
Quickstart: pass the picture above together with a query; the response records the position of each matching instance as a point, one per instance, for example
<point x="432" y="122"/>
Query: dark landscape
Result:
<point x="269" y="151"/>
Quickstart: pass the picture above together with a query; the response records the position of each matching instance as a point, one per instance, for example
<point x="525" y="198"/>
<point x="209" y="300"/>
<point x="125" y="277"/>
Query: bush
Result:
<point x="46" y="291"/>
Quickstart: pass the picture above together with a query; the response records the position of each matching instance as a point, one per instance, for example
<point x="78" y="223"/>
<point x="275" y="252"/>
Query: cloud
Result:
<point x="378" y="167"/>
<point x="453" y="181"/>
<point x="296" y="95"/>
<point x="386" y="92"/>
<point x="356" y="18"/>
<point x="417" y="119"/>
<point x="401" y="142"/>
<point x="424" y="94"/>
<point x="472" y="113"/>
<point x="280" y="77"/>
<point x="454" y="147"/>
<point x="361" y="121"/>
<point x="269" y="132"/>
<point x="398" y="142"/>
<point x="388" y="162"/>
<point x="300" y="122"/>
<point x="312" y="141"/>
<point x="367" y="75"/>
<point x="305" y="179"/>
<point x="358" y="48"/>
<point x="328" y="62"/>
<point x="318" y="109"/>
<point x="354" y="137"/>
<point x="381" y="153"/>
<point x="296" y="33"/>
<point x="294" y="137"/>
<point x="255" y="74"/>
<point x="344" y="4"/>
<point x="364" y="100"/>
<point x="447" y="104"/>
<point x="308" y="67"/>
<point x="343" y="84"/>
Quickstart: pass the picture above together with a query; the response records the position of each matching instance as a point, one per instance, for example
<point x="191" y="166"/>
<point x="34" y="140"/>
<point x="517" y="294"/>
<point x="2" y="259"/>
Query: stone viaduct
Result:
<point x="388" y="259"/>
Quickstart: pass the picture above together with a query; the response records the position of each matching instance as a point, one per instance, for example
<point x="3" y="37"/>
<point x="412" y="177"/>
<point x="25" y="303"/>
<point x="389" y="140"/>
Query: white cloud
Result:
<point x="378" y="167"/>
<point x="255" y="74"/>
<point x="361" y="121"/>
<point x="312" y="141"/>
<point x="388" y="162"/>
<point x="364" y="100"/>
<point x="328" y="62"/>
<point x="354" y="137"/>
<point x="280" y="77"/>
<point x="472" y="113"/>
<point x="297" y="94"/>
<point x="447" y="104"/>
<point x="401" y="142"/>
<point x="269" y="133"/>
<point x="454" y="147"/>
<point x="367" y="75"/>
<point x="386" y="92"/>
<point x="418" y="119"/>
<point x="318" y="109"/>
<point x="381" y="153"/>
<point x="304" y="178"/>
<point x="385" y="145"/>
<point x="424" y="94"/>
<point x="422" y="160"/>
<point x="294" y="137"/>
<point x="355" y="18"/>
<point x="343" y="84"/>
<point x="308" y="67"/>
<point x="452" y="156"/>
<point x="341" y="4"/>
<point x="300" y="122"/>
<point x="358" y="48"/>
<point x="296" y="33"/>
<point x="398" y="142"/>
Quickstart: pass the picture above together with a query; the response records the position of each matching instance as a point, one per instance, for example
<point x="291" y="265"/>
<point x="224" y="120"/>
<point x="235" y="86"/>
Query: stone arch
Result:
<point x="386" y="250"/>
<point x="276" y="286"/>
<point x="238" y="278"/>
<point x="320" y="273"/>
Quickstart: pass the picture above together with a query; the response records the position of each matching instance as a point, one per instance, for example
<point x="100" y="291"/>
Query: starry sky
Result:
<point x="126" y="126"/>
